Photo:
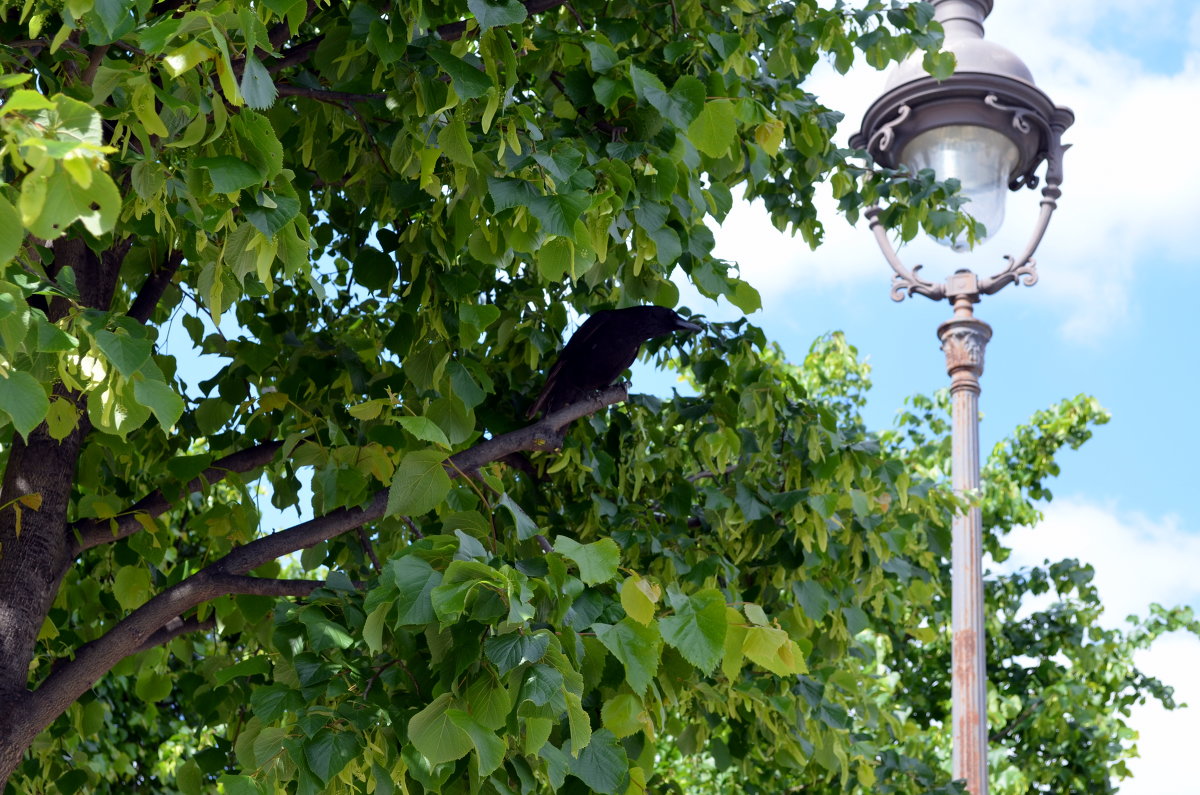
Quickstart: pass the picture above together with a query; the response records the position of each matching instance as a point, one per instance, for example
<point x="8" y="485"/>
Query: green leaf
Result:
<point x="939" y="64"/>
<point x="260" y="144"/>
<point x="272" y="701"/>
<point x="543" y="686"/>
<point x="258" y="664"/>
<point x="127" y="354"/>
<point x="152" y="686"/>
<point x="188" y="778"/>
<point x="434" y="734"/>
<point x="506" y="193"/>
<point x="453" y="140"/>
<point x="597" y="561"/>
<point x="420" y="483"/>
<point x="258" y="89"/>
<point x="11" y="233"/>
<point x="373" y="269"/>
<point x="131" y="586"/>
<point x="680" y="105"/>
<point x="491" y="15"/>
<point x="464" y="386"/>
<point x="639" y="597"/>
<point x="637" y="647"/>
<point x="49" y="205"/>
<point x="526" y="527"/>
<point x="489" y="749"/>
<point x="328" y="752"/>
<point x="603" y="764"/>
<point x="143" y="101"/>
<point x="578" y="722"/>
<point x="469" y="82"/>
<point x="374" y="625"/>
<point x="489" y="702"/>
<point x="698" y="627"/>
<point x="424" y="429"/>
<point x="771" y="648"/>
<point x="237" y="785"/>
<point x="271" y="212"/>
<point x="449" y="599"/>
<point x="415" y="580"/>
<point x="603" y="56"/>
<point x="508" y="651"/>
<point x="623" y="714"/>
<point x="556" y="259"/>
<point x="324" y="633"/>
<point x="558" y="212"/>
<point x="24" y="400"/>
<point x="185" y="57"/>
<point x="61" y="418"/>
<point x="714" y="129"/>
<point x="161" y="399"/>
<point x="229" y="174"/>
<point x="745" y="297"/>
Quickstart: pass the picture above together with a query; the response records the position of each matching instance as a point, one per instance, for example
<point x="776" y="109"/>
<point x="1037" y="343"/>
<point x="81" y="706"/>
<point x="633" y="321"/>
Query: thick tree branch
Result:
<point x="266" y="586"/>
<point x="226" y="576"/>
<point x="453" y="31"/>
<point x="94" y="532"/>
<point x="296" y="55"/>
<point x="174" y="628"/>
<point x="94" y="60"/>
<point x="324" y="95"/>
<point x="153" y="288"/>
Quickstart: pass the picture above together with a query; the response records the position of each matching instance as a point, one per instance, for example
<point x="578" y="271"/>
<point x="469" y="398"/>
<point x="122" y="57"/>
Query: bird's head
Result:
<point x="659" y="320"/>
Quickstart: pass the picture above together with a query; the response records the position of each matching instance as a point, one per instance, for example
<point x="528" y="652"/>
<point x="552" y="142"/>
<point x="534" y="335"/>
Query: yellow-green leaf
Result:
<point x="639" y="597"/>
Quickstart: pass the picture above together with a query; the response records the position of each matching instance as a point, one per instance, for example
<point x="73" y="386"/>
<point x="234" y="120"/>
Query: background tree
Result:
<point x="379" y="217"/>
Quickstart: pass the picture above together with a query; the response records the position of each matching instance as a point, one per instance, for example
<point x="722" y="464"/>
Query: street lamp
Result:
<point x="991" y="128"/>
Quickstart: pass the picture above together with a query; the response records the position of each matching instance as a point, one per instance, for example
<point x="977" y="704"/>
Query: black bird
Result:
<point x="603" y="348"/>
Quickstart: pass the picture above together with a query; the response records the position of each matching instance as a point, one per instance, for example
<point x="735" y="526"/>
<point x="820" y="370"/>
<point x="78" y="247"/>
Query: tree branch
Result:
<point x="296" y="55"/>
<point x="94" y="532"/>
<point x="266" y="586"/>
<point x="94" y="60"/>
<point x="154" y="287"/>
<point x="174" y="628"/>
<point x="225" y="576"/>
<point x="324" y="95"/>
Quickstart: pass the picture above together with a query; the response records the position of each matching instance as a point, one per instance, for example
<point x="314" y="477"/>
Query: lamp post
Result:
<point x="989" y="126"/>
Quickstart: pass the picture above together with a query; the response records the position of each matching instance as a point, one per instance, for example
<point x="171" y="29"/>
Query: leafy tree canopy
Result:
<point x="379" y="217"/>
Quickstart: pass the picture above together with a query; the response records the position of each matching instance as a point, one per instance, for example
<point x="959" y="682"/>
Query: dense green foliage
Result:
<point x="380" y="219"/>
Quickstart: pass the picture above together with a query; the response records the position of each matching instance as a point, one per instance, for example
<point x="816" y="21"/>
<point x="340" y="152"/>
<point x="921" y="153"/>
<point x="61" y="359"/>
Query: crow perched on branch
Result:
<point x="603" y="348"/>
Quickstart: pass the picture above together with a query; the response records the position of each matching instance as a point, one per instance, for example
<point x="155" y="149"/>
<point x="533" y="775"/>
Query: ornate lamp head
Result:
<point x="987" y="125"/>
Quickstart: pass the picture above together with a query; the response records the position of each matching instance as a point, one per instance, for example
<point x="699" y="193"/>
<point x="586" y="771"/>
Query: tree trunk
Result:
<point x="34" y="560"/>
<point x="31" y="566"/>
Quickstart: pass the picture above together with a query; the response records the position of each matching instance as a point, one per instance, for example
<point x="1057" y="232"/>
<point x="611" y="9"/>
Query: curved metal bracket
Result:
<point x="905" y="280"/>
<point x="1018" y="114"/>
<point x="887" y="133"/>
<point x="1023" y="269"/>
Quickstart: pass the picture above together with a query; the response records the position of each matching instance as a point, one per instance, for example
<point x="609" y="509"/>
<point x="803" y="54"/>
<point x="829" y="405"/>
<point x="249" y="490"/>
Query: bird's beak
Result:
<point x="684" y="325"/>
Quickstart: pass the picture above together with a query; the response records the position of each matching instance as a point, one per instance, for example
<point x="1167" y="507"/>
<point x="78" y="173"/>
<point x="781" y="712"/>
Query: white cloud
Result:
<point x="1127" y="199"/>
<point x="1137" y="561"/>
<point x="1167" y="740"/>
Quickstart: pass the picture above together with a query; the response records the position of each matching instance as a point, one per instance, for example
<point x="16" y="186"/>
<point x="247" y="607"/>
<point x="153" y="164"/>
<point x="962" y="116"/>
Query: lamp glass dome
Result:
<point x="981" y="159"/>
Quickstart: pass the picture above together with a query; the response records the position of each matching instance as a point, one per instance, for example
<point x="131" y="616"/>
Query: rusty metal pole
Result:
<point x="990" y="97"/>
<point x="964" y="339"/>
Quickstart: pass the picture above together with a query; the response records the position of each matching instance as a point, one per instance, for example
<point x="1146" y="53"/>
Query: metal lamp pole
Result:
<point x="989" y="126"/>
